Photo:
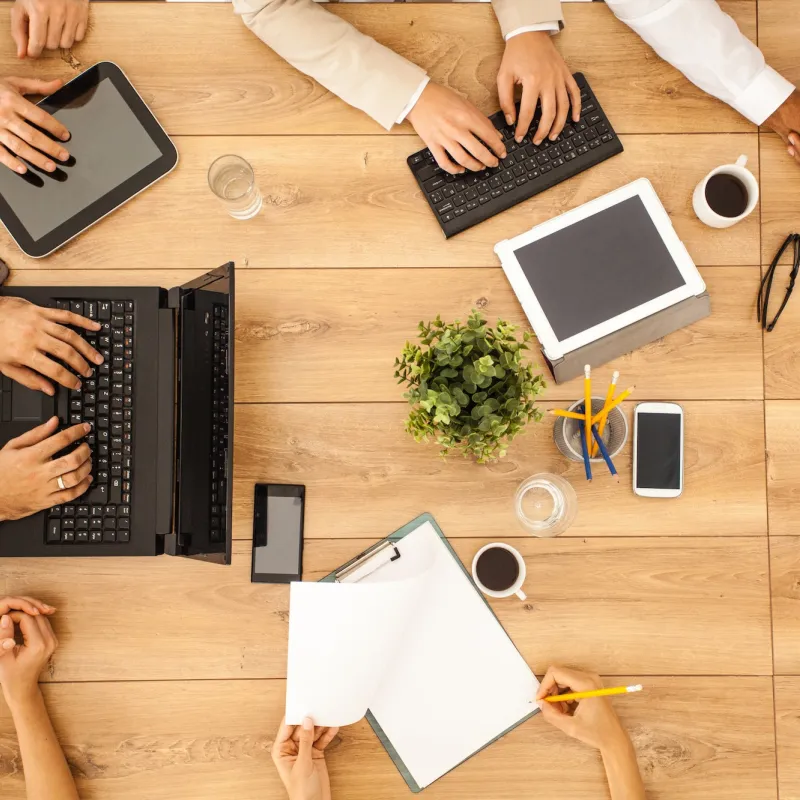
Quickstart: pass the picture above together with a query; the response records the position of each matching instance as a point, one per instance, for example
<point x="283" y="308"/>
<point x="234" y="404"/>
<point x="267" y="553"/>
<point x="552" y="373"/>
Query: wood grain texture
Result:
<point x="780" y="200"/>
<point x="244" y="88"/>
<point x="787" y="729"/>
<point x="778" y="29"/>
<point x="357" y="456"/>
<point x="352" y="202"/>
<point x="781" y="353"/>
<point x="783" y="465"/>
<point x="212" y="740"/>
<point x="333" y="336"/>
<point x="646" y="606"/>
<point x="785" y="580"/>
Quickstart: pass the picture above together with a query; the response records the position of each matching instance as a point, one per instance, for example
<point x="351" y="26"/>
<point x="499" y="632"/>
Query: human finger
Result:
<point x="62" y="440"/>
<point x="55" y="25"/>
<point x="21" y="603"/>
<point x="76" y="342"/>
<point x="466" y="159"/>
<point x="505" y="91"/>
<point x="37" y="34"/>
<point x="42" y="363"/>
<point x="487" y="132"/>
<point x="66" y="354"/>
<point x="74" y="478"/>
<point x="19" y="30"/>
<point x="35" y="114"/>
<point x="443" y="160"/>
<point x="22" y="149"/>
<point x="327" y="736"/>
<point x="36" y="435"/>
<point x="48" y="634"/>
<point x="70" y="27"/>
<point x="68" y="318"/>
<point x="68" y="495"/>
<point x="557" y="718"/>
<point x="80" y="31"/>
<point x="558" y="677"/>
<point x="548" y="117"/>
<point x="72" y="461"/>
<point x="30" y="379"/>
<point x="562" y="106"/>
<point x="31" y="633"/>
<point x="10" y="161"/>
<point x="575" y="96"/>
<point x="38" y="140"/>
<point x="305" y="743"/>
<point x="480" y="151"/>
<point x="527" y="109"/>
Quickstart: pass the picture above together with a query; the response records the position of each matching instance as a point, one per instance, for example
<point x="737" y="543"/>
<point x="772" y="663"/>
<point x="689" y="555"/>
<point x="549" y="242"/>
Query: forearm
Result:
<point x="622" y="769"/>
<point x="47" y="776"/>
<point x="702" y="41"/>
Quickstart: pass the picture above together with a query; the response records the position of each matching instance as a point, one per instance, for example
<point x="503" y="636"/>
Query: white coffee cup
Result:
<point x="516" y="588"/>
<point x="704" y="211"/>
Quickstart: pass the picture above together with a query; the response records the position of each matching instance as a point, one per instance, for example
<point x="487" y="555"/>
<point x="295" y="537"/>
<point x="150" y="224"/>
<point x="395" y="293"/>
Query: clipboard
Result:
<point x="376" y="557"/>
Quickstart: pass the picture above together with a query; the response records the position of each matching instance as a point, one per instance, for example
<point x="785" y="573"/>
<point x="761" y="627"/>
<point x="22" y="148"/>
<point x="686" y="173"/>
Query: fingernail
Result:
<point x="509" y="119"/>
<point x="504" y="154"/>
<point x="35" y="612"/>
<point x="50" y="166"/>
<point x="308" y="724"/>
<point x="76" y="385"/>
<point x="540" y="703"/>
<point x="791" y="152"/>
<point x="98" y="359"/>
<point x="49" y="608"/>
<point x="22" y="169"/>
<point x="65" y="137"/>
<point x="87" y="427"/>
<point x="63" y="155"/>
<point x="518" y="139"/>
<point x="8" y="644"/>
<point x="4" y="622"/>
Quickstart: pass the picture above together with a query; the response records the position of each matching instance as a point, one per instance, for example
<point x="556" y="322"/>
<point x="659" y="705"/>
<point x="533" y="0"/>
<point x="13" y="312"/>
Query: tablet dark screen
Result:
<point x="109" y="145"/>
<point x="599" y="268"/>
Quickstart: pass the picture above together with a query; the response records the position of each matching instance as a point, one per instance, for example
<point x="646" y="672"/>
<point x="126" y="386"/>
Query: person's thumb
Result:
<point x="305" y="742"/>
<point x="6" y="634"/>
<point x="556" y="717"/>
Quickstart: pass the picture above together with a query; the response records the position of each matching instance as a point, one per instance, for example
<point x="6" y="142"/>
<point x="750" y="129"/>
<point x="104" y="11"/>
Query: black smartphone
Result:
<point x="278" y="517"/>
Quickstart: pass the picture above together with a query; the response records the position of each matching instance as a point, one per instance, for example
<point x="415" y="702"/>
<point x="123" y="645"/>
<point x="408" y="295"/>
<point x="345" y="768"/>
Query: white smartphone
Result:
<point x="658" y="450"/>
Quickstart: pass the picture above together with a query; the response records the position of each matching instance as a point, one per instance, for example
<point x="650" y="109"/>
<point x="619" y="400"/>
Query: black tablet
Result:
<point x="117" y="148"/>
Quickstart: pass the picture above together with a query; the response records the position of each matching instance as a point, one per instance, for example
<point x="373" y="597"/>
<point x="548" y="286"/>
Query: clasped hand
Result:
<point x="299" y="755"/>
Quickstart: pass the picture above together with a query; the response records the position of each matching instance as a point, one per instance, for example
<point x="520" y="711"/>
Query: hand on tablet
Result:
<point x="31" y="337"/>
<point x="18" y="117"/>
<point x="50" y="24"/>
<point x="30" y="471"/>
<point x="532" y="61"/>
<point x="299" y="755"/>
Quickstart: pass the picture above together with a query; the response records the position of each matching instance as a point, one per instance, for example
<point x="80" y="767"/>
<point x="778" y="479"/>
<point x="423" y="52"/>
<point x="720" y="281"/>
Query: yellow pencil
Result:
<point x="587" y="394"/>
<point x="560" y="412"/>
<point x="620" y="398"/>
<point x="601" y="425"/>
<point x="572" y="696"/>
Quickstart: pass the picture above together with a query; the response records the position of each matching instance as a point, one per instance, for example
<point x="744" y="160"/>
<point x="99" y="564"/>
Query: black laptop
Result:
<point x="161" y="409"/>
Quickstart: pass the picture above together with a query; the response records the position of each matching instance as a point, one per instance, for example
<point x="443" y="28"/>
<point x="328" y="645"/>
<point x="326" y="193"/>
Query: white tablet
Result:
<point x="599" y="268"/>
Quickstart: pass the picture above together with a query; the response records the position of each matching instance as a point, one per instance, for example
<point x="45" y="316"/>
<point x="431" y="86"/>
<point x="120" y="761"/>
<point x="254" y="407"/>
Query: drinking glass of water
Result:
<point x="546" y="505"/>
<point x="232" y="179"/>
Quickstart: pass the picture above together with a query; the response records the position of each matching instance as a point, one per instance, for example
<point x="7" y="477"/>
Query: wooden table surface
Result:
<point x="170" y="677"/>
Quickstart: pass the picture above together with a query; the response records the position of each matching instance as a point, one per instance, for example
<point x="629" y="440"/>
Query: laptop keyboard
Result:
<point x="461" y="201"/>
<point x="105" y="400"/>
<point x="219" y="426"/>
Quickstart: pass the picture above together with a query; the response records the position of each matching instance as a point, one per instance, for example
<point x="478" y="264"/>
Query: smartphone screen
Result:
<point x="658" y="451"/>
<point x="278" y="515"/>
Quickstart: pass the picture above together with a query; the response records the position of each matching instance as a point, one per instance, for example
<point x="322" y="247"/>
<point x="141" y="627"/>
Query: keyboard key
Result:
<point x="103" y="310"/>
<point x="81" y="537"/>
<point x="472" y="205"/>
<point x="434" y="183"/>
<point x="436" y="198"/>
<point x="429" y="171"/>
<point x="448" y="191"/>
<point x="594" y="119"/>
<point x="507" y="187"/>
<point x="53" y="531"/>
<point x="497" y="192"/>
<point x="587" y="109"/>
<point x="595" y="143"/>
<point x="522" y="179"/>
<point x="607" y="137"/>
<point x="459" y="211"/>
<point x="109" y="536"/>
<point x="484" y="198"/>
<point x="520" y="155"/>
<point x="444" y="209"/>
<point x="582" y="150"/>
<point x="95" y="537"/>
<point x="447" y="217"/>
<point x="570" y="156"/>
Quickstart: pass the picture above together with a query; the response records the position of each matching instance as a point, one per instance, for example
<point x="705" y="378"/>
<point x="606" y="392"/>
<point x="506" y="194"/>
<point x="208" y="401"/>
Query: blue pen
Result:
<point x="584" y="446"/>
<point x="602" y="445"/>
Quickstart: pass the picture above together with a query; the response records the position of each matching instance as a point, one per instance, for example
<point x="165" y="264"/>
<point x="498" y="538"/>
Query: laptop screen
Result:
<point x="205" y="416"/>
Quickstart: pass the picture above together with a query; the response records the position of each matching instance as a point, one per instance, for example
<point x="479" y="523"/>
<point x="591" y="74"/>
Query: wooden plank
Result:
<point x="787" y="721"/>
<point x="244" y="88"/>
<point x="780" y="202"/>
<point x="701" y="605"/>
<point x="210" y="740"/>
<point x="366" y="476"/>
<point x="785" y="579"/>
<point x="333" y="335"/>
<point x="778" y="26"/>
<point x="781" y="354"/>
<point x="783" y="462"/>
<point x="352" y="202"/>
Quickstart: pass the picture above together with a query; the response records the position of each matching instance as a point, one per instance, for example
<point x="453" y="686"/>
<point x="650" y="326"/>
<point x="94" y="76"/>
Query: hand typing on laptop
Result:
<point x="31" y="338"/>
<point x="33" y="475"/>
<point x="19" y="123"/>
<point x="299" y="755"/>
<point x="37" y="25"/>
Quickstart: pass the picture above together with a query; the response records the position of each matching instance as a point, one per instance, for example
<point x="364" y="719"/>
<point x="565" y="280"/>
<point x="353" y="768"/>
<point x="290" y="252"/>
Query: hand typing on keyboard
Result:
<point x="32" y="337"/>
<point x="455" y="131"/>
<point x="532" y="61"/>
<point x="31" y="465"/>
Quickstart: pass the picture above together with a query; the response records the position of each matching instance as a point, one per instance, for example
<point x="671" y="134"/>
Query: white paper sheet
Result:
<point x="443" y="688"/>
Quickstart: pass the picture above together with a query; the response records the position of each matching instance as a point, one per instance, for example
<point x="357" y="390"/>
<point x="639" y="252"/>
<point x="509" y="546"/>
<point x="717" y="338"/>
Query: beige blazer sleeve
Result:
<point x="353" y="66"/>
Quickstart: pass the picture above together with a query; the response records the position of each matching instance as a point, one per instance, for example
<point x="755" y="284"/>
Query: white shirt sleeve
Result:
<point x="413" y="101"/>
<point x="552" y="27"/>
<point x="706" y="45"/>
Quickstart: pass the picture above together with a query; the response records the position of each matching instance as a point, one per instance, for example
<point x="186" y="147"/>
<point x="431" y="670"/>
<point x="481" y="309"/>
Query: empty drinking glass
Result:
<point x="232" y="179"/>
<point x="546" y="505"/>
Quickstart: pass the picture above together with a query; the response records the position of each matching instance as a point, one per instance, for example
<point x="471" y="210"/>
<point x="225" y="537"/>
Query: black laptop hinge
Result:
<point x="174" y="297"/>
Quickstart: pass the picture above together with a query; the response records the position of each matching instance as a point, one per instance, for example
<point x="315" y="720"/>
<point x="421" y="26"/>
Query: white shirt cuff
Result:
<point x="552" y="27"/>
<point x="413" y="101"/>
<point x="767" y="93"/>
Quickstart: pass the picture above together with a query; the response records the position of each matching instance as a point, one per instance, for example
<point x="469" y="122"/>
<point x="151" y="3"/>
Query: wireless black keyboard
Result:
<point x="461" y="201"/>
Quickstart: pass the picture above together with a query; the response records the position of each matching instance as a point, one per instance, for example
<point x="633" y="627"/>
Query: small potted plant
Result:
<point x="468" y="386"/>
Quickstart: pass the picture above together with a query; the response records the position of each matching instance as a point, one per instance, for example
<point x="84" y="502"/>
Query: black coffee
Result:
<point x="497" y="569"/>
<point x="727" y="195"/>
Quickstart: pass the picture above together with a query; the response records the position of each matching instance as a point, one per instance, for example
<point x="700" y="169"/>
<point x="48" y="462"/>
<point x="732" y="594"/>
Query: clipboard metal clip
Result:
<point x="368" y="563"/>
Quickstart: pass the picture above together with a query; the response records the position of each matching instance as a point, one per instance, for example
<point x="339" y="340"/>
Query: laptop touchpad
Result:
<point x="26" y="404"/>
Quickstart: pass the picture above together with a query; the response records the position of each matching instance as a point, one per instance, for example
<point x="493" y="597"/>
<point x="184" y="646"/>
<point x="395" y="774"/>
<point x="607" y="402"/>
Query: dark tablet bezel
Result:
<point x="86" y="81"/>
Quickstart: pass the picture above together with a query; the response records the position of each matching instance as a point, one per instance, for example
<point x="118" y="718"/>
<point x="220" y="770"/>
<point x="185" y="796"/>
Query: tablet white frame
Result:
<point x="555" y="348"/>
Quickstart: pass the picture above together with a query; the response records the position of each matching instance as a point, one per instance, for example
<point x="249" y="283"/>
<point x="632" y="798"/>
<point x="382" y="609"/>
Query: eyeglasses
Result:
<point x="766" y="283"/>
